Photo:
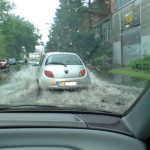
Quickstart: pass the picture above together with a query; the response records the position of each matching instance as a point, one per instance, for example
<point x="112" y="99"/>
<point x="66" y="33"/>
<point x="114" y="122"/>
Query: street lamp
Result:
<point x="42" y="45"/>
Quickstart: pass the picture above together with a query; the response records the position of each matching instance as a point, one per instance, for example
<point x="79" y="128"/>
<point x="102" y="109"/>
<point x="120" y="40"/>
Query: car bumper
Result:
<point x="12" y="63"/>
<point x="61" y="83"/>
<point x="3" y="67"/>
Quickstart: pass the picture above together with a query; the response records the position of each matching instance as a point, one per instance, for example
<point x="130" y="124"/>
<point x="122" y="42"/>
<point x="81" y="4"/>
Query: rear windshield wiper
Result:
<point x="56" y="63"/>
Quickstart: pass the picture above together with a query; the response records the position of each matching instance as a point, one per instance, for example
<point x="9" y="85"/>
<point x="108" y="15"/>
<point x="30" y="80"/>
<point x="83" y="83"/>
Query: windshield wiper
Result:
<point x="27" y="107"/>
<point x="50" y="108"/>
<point x="39" y="107"/>
<point x="57" y="63"/>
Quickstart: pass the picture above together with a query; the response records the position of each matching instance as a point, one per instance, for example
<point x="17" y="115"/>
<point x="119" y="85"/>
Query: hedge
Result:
<point x="141" y="64"/>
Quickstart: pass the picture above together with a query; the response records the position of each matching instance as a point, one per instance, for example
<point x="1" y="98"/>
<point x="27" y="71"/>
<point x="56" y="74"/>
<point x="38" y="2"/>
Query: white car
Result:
<point x="33" y="63"/>
<point x="62" y="70"/>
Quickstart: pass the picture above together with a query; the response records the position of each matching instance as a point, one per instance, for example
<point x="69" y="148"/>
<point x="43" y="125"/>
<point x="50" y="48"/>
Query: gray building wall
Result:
<point x="131" y="32"/>
<point x="145" y="45"/>
<point x="117" y="52"/>
<point x="145" y="26"/>
<point x="116" y="38"/>
<point x="131" y="45"/>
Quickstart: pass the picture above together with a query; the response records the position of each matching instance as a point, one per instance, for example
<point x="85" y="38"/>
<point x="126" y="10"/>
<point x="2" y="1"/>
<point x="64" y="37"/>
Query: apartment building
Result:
<point x="130" y="30"/>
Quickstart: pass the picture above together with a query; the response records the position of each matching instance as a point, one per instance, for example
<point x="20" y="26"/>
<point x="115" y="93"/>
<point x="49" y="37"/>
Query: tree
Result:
<point x="68" y="32"/>
<point x="73" y="28"/>
<point x="15" y="32"/>
<point x="2" y="46"/>
<point x="18" y="33"/>
<point x="5" y="7"/>
<point x="68" y="19"/>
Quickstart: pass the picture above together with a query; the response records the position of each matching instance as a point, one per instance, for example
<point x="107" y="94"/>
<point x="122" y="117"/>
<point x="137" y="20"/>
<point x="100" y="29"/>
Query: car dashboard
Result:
<point x="65" y="131"/>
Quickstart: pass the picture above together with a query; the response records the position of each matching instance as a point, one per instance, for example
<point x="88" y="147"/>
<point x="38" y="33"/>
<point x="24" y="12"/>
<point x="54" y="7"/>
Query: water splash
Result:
<point x="22" y="89"/>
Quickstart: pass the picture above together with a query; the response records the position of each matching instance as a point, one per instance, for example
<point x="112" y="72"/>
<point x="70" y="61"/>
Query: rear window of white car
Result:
<point x="67" y="59"/>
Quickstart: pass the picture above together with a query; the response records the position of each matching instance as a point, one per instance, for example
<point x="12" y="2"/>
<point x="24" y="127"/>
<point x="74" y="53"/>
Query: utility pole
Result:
<point x="121" y="39"/>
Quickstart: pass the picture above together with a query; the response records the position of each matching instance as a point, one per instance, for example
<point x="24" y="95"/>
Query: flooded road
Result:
<point x="21" y="88"/>
<point x="6" y="73"/>
<point x="4" y="76"/>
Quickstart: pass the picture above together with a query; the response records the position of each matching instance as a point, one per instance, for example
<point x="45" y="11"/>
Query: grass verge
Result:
<point x="132" y="73"/>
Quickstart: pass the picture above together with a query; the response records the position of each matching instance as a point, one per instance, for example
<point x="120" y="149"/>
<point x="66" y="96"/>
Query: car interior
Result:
<point x="74" y="74"/>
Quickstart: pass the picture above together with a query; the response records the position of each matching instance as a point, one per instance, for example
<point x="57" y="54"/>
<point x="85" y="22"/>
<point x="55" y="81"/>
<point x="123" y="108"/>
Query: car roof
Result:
<point x="12" y="58"/>
<point x="52" y="53"/>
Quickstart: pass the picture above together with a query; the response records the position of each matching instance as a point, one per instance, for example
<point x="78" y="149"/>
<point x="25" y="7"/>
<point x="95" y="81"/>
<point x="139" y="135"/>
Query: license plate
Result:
<point x="70" y="83"/>
<point x="62" y="83"/>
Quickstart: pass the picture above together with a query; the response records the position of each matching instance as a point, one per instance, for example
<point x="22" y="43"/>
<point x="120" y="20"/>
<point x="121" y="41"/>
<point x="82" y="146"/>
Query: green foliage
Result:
<point x="2" y="50"/>
<point x="132" y="73"/>
<point x="101" y="61"/>
<point x="15" y="32"/>
<point x="5" y="7"/>
<point x="102" y="49"/>
<point x="141" y="64"/>
<point x="67" y="22"/>
<point x="67" y="33"/>
<point x="70" y="32"/>
<point x="18" y="33"/>
<point x="84" y="42"/>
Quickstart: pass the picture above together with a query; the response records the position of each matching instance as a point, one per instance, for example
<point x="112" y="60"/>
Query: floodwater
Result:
<point x="21" y="88"/>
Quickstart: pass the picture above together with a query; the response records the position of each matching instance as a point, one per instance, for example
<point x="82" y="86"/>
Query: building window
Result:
<point x="106" y="31"/>
<point x="120" y="3"/>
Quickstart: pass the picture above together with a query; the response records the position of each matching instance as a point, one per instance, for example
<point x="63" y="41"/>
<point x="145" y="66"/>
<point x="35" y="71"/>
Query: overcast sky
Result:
<point x="38" y="12"/>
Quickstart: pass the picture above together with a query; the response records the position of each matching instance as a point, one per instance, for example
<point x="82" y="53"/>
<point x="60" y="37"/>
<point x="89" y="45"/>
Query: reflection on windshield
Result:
<point x="111" y="37"/>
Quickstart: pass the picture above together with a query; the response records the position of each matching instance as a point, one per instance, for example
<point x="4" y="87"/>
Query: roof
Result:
<point x="52" y="53"/>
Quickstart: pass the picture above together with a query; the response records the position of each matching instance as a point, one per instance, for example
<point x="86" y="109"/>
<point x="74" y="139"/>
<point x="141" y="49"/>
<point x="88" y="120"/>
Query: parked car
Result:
<point x="62" y="70"/>
<point x="12" y="61"/>
<point x="22" y="61"/>
<point x="33" y="62"/>
<point x="4" y="64"/>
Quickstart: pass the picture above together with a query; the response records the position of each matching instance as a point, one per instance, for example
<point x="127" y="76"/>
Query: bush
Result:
<point x="101" y="62"/>
<point x="141" y="64"/>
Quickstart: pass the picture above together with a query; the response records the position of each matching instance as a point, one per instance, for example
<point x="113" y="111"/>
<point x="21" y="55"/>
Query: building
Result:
<point x="126" y="28"/>
<point x="96" y="12"/>
<point x="102" y="20"/>
<point x="130" y="30"/>
<point x="34" y="56"/>
<point x="118" y="4"/>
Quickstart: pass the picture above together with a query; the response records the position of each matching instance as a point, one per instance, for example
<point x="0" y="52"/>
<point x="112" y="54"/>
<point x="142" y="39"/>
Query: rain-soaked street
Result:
<point x="20" y="87"/>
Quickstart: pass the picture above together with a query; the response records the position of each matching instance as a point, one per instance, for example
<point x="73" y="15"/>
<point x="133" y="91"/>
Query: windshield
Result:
<point x="12" y="59"/>
<point x="66" y="59"/>
<point x="51" y="39"/>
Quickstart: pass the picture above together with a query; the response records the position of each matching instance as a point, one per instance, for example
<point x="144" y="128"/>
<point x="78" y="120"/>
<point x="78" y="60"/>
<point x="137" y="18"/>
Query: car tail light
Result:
<point x="82" y="73"/>
<point x="49" y="74"/>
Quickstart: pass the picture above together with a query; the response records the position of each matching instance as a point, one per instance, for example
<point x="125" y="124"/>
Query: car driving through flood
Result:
<point x="62" y="70"/>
